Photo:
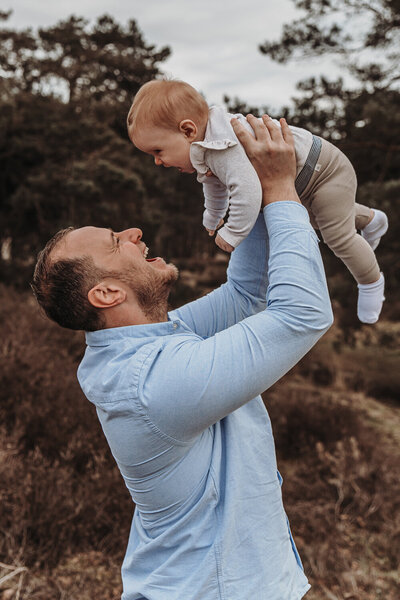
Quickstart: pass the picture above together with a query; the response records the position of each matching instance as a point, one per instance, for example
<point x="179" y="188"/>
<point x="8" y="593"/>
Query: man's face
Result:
<point x="169" y="148"/>
<point x="124" y="255"/>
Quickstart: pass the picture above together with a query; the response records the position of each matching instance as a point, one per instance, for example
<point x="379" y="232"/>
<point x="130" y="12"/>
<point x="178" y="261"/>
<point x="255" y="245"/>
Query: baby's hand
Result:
<point x="212" y="231"/>
<point x="221" y="243"/>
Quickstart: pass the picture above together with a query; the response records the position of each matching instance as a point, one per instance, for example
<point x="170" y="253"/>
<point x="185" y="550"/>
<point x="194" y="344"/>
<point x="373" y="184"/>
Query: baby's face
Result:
<point x="169" y="148"/>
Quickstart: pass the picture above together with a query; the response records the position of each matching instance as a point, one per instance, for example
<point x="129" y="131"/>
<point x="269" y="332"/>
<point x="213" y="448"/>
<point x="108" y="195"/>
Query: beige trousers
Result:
<point x="330" y="200"/>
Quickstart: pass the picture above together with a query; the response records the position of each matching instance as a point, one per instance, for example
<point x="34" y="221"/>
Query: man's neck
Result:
<point x="124" y="316"/>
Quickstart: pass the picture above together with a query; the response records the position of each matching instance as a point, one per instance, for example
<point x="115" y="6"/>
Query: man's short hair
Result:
<point x="165" y="103"/>
<point x="61" y="287"/>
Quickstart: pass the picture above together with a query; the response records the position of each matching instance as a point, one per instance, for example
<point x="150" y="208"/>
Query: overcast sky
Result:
<point x="214" y="49"/>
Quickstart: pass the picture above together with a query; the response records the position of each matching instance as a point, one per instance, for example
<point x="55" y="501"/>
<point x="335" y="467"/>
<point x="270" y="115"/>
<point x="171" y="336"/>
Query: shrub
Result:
<point x="61" y="490"/>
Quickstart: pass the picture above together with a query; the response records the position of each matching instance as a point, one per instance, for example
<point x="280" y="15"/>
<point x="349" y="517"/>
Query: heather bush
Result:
<point x="341" y="492"/>
<point x="65" y="513"/>
<point x="61" y="491"/>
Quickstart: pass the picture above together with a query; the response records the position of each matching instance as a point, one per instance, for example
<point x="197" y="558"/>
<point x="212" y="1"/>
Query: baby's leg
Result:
<point x="363" y="215"/>
<point x="334" y="210"/>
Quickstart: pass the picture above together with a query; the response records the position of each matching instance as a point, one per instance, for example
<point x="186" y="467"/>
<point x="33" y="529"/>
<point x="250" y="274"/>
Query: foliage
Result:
<point x="53" y="446"/>
<point x="337" y="449"/>
<point x="105" y="62"/>
<point x="67" y="159"/>
<point x="351" y="29"/>
<point x="363" y="124"/>
<point x="371" y="135"/>
<point x="62" y="169"/>
<point x="64" y="510"/>
<point x="361" y="119"/>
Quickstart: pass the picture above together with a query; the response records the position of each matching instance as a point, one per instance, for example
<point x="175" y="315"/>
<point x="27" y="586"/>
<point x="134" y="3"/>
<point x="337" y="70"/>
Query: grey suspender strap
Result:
<point x="304" y="176"/>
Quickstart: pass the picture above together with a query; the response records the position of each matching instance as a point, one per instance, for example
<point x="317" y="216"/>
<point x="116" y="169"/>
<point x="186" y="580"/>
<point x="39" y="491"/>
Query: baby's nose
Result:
<point x="158" y="161"/>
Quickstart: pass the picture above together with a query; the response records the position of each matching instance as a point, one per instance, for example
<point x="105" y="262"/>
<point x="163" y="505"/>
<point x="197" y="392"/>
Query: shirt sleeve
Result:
<point x="232" y="167"/>
<point x="191" y="384"/>
<point x="215" y="202"/>
<point x="243" y="294"/>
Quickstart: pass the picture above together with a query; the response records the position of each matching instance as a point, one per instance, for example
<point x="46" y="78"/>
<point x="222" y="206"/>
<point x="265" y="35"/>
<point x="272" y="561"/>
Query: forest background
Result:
<point x="66" y="160"/>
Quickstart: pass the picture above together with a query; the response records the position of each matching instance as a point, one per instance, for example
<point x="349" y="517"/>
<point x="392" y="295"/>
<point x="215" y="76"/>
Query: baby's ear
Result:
<point x="189" y="129"/>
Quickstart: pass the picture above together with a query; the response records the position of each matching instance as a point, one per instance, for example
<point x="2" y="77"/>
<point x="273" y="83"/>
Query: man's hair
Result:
<point x="61" y="287"/>
<point x="165" y="103"/>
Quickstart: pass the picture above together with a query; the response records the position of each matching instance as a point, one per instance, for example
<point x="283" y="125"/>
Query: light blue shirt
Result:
<point x="180" y="407"/>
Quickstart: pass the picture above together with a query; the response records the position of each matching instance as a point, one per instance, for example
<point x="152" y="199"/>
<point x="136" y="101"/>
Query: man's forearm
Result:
<point x="242" y="295"/>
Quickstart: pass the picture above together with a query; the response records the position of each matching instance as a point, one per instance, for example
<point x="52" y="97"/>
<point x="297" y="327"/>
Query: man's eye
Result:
<point x="116" y="241"/>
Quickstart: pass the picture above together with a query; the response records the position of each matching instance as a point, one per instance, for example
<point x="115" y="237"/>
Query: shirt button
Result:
<point x="175" y="325"/>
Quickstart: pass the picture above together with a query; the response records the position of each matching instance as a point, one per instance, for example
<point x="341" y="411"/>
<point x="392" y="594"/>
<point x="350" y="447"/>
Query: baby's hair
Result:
<point x="165" y="103"/>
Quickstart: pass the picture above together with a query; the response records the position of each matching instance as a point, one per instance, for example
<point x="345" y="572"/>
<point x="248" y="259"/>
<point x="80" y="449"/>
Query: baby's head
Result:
<point x="165" y="118"/>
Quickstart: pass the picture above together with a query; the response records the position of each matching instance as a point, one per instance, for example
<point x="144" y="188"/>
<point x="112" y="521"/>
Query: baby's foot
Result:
<point x="370" y="300"/>
<point x="375" y="229"/>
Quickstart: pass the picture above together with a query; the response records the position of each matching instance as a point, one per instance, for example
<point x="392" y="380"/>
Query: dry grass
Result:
<point x="339" y="452"/>
<point x="54" y="500"/>
<point x="65" y="513"/>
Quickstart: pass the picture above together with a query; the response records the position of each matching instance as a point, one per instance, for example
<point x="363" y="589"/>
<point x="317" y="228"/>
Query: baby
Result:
<point x="171" y="121"/>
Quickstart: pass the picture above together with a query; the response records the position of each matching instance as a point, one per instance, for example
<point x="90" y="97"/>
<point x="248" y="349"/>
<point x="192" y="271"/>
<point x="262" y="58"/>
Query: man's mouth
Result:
<point x="145" y="254"/>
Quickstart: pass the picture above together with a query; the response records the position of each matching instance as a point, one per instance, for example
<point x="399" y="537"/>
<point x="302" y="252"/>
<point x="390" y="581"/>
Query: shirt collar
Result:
<point x="104" y="337"/>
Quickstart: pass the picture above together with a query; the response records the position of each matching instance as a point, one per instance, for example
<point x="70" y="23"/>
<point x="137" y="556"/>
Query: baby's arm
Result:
<point x="235" y="172"/>
<point x="216" y="203"/>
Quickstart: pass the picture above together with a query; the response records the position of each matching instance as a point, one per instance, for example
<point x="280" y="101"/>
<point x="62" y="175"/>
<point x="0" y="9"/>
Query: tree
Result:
<point x="361" y="119"/>
<point x="65" y="154"/>
<point x="61" y="169"/>
<point x="17" y="59"/>
<point x="81" y="63"/>
<point x="105" y="62"/>
<point x="66" y="159"/>
<point x="364" y="35"/>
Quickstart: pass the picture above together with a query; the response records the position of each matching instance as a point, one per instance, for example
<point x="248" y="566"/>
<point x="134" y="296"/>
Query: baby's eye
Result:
<point x="157" y="151"/>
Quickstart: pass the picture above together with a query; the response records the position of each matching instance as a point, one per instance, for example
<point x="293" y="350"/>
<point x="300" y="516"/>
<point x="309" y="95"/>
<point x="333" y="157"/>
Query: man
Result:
<point x="177" y="393"/>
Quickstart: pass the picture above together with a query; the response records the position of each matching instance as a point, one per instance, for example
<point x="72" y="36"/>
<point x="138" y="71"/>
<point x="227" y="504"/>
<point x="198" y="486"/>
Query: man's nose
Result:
<point x="158" y="161"/>
<point x="134" y="235"/>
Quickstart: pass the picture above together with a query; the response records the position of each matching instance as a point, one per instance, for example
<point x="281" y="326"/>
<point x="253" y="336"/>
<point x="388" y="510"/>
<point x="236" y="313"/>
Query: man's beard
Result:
<point x="151" y="288"/>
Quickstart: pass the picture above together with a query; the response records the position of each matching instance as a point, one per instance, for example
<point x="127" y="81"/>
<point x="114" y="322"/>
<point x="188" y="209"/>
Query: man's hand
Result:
<point x="272" y="155"/>
<point x="221" y="243"/>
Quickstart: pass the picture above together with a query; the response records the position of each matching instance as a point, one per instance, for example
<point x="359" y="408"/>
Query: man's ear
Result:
<point x="106" y="294"/>
<point x="189" y="128"/>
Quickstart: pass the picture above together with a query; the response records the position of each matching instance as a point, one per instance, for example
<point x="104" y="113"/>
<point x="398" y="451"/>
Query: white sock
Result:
<point x="370" y="300"/>
<point x="375" y="229"/>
